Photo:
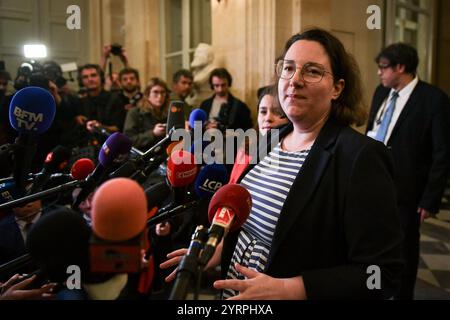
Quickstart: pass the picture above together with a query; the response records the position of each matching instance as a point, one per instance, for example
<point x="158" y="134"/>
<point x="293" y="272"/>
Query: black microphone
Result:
<point x="189" y="268"/>
<point x="55" y="161"/>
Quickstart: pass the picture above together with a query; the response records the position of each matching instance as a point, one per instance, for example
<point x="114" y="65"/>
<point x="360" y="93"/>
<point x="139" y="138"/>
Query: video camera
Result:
<point x="33" y="73"/>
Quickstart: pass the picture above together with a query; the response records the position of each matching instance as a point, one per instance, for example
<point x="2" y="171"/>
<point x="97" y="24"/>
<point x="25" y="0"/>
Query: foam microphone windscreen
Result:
<point x="57" y="159"/>
<point x="197" y="115"/>
<point x="59" y="239"/>
<point x="175" y="117"/>
<point x="234" y="197"/>
<point x="115" y="149"/>
<point x="181" y="169"/>
<point x="32" y="110"/>
<point x="82" y="168"/>
<point x="119" y="210"/>
<point x="210" y="179"/>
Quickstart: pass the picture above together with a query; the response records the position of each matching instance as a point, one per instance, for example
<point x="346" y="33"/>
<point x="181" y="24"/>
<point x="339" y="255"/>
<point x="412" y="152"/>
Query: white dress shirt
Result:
<point x="403" y="96"/>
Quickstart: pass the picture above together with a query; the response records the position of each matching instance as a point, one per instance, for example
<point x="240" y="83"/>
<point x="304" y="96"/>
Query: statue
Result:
<point x="201" y="67"/>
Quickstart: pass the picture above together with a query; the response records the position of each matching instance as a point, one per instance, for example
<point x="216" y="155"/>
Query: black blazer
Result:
<point x="233" y="115"/>
<point x="339" y="218"/>
<point x="420" y="145"/>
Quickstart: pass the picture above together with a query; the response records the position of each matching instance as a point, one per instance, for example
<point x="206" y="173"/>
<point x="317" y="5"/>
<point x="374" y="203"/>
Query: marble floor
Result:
<point x="433" y="278"/>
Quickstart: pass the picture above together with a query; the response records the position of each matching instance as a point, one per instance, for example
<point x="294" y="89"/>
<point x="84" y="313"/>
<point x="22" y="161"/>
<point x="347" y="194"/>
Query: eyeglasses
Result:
<point x="384" y="66"/>
<point x="311" y="72"/>
<point x="158" y="93"/>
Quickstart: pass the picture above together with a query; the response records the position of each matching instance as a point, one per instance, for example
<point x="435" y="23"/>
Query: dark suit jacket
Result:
<point x="11" y="241"/>
<point x="233" y="115"/>
<point x="339" y="218"/>
<point x="420" y="146"/>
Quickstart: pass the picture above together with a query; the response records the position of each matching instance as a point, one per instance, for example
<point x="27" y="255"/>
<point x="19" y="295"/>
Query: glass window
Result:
<point x="185" y="24"/>
<point x="412" y="24"/>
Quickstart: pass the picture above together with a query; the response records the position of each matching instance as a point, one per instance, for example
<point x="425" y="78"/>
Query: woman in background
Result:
<point x="146" y="124"/>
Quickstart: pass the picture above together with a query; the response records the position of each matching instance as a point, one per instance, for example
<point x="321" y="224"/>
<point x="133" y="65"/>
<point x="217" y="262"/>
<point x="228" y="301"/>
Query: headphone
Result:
<point x="90" y="66"/>
<point x="220" y="73"/>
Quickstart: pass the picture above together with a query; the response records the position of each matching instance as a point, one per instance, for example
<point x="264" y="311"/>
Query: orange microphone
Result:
<point x="119" y="215"/>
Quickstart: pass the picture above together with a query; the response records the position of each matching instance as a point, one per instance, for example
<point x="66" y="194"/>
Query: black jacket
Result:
<point x="420" y="145"/>
<point x="339" y="217"/>
<point x="233" y="115"/>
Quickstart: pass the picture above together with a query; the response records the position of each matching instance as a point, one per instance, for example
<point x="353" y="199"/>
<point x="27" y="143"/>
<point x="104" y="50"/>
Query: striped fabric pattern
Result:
<point x="269" y="183"/>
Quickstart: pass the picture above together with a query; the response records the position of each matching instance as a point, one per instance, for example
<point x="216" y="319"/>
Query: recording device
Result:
<point x="79" y="172"/>
<point x="175" y="118"/>
<point x="31" y="113"/>
<point x="228" y="210"/>
<point x="33" y="73"/>
<point x="119" y="213"/>
<point x="55" y="161"/>
<point x="114" y="151"/>
<point x="59" y="239"/>
<point x="116" y="49"/>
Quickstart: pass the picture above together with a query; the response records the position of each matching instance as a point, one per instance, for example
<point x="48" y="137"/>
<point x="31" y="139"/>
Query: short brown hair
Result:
<point x="349" y="107"/>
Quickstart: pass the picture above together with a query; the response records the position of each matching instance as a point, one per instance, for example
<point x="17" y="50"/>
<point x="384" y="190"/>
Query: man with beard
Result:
<point x="224" y="110"/>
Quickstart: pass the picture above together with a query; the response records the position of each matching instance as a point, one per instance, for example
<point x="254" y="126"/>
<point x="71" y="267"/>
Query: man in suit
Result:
<point x="412" y="118"/>
<point x="224" y="110"/>
<point x="14" y="230"/>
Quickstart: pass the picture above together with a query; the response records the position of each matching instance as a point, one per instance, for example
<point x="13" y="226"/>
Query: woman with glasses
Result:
<point x="323" y="222"/>
<point x="146" y="124"/>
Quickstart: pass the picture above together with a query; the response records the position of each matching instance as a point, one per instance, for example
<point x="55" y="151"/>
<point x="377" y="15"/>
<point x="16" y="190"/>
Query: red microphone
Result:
<point x="181" y="168"/>
<point x="119" y="215"/>
<point x="82" y="168"/>
<point x="228" y="210"/>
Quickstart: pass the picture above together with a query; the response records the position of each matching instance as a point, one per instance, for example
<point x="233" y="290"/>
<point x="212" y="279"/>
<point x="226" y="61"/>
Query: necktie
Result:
<point x="382" y="130"/>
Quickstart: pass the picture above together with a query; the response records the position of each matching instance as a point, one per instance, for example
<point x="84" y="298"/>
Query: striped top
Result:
<point x="269" y="183"/>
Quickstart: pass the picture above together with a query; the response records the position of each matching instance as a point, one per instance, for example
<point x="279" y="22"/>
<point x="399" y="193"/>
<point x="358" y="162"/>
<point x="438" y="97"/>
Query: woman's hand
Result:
<point x="259" y="286"/>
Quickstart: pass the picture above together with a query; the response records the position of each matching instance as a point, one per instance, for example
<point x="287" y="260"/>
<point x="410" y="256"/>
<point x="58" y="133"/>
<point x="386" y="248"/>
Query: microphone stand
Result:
<point x="189" y="268"/>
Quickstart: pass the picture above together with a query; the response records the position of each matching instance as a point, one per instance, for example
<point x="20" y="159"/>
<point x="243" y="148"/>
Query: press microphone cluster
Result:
<point x="228" y="210"/>
<point x="79" y="172"/>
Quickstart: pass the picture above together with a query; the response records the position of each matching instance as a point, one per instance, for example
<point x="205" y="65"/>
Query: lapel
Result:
<point x="413" y="100"/>
<point x="305" y="184"/>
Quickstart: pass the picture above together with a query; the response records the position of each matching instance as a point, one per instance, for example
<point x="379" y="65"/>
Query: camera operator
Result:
<point x="32" y="73"/>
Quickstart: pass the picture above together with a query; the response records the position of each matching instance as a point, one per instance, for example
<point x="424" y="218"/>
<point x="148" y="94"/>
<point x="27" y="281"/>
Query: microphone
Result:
<point x="31" y="113"/>
<point x="209" y="180"/>
<point x="115" y="150"/>
<point x="181" y="172"/>
<point x="119" y="213"/>
<point x="228" y="210"/>
<point x="189" y="267"/>
<point x="175" y="117"/>
<point x="81" y="168"/>
<point x="55" y="161"/>
<point x="138" y="168"/>
<point x="59" y="239"/>
<point x="196" y="116"/>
